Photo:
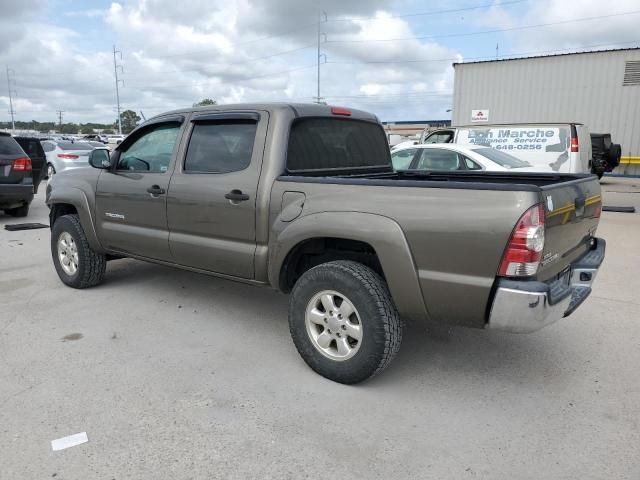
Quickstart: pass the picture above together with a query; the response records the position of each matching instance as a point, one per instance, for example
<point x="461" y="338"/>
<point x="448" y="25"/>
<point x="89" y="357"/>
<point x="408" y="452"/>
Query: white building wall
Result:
<point x="585" y="88"/>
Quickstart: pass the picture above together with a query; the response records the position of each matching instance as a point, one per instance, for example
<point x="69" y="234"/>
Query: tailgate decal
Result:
<point x="570" y="207"/>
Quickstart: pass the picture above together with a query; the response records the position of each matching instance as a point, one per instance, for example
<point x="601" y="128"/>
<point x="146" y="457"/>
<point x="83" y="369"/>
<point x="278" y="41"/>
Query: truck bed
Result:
<point x="507" y="181"/>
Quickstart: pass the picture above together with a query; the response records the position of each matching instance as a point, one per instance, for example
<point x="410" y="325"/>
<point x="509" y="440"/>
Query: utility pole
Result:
<point x="10" y="80"/>
<point x="115" y="71"/>
<point x="60" y="112"/>
<point x="497" y="51"/>
<point x="321" y="18"/>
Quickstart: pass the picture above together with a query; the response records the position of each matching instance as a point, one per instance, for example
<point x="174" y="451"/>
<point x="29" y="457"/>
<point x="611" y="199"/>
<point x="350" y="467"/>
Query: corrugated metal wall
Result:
<point x="585" y="88"/>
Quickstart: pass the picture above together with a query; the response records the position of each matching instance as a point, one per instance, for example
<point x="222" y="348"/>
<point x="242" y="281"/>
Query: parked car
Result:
<point x="97" y="144"/>
<point x="304" y="199"/>
<point x="33" y="148"/>
<point x="565" y="147"/>
<point x="64" y="155"/>
<point x="447" y="157"/>
<point x="94" y="137"/>
<point x="16" y="181"/>
<point x="606" y="155"/>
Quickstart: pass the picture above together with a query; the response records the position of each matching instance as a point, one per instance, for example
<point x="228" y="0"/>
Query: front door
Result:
<point x="211" y="207"/>
<point x="131" y="198"/>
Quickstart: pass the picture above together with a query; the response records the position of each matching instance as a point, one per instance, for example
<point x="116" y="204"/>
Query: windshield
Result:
<point x="503" y="159"/>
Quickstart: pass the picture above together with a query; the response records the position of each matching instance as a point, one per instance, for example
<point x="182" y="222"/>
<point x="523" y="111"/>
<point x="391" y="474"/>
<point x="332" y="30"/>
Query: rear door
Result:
<point x="211" y="207"/>
<point x="131" y="198"/>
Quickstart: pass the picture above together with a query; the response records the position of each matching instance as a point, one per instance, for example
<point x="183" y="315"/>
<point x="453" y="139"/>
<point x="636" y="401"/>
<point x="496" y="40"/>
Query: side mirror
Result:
<point x="99" y="158"/>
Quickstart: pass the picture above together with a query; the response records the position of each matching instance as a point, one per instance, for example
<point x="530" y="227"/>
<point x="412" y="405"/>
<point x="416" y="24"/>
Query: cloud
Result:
<point x="174" y="54"/>
<point x="606" y="30"/>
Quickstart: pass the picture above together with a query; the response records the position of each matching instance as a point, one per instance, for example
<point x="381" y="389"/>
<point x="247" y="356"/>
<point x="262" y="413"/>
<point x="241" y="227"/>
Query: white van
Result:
<point x="565" y="147"/>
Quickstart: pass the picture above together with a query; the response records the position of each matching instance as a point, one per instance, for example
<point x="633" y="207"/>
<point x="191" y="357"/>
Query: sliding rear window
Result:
<point x="332" y="145"/>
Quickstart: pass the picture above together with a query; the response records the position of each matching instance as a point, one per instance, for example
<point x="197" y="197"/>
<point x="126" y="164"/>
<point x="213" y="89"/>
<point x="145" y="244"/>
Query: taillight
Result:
<point x="598" y="211"/>
<point x="68" y="155"/>
<point x="22" y="164"/>
<point x="523" y="253"/>
<point x="341" y="111"/>
<point x="574" y="144"/>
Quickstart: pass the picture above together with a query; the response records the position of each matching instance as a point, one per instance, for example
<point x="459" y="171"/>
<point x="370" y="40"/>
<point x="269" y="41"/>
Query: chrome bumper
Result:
<point x="521" y="306"/>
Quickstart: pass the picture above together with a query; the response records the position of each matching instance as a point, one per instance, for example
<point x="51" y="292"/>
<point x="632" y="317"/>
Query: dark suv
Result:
<point x="16" y="182"/>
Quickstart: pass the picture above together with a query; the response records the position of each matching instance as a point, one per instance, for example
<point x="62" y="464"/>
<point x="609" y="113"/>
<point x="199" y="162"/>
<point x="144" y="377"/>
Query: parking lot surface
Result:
<point x="178" y="375"/>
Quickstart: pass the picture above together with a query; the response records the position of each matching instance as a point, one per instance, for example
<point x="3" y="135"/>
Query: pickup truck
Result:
<point x="304" y="199"/>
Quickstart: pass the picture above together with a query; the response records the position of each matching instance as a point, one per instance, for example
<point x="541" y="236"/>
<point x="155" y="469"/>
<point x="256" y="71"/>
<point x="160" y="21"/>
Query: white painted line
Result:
<point x="70" y="441"/>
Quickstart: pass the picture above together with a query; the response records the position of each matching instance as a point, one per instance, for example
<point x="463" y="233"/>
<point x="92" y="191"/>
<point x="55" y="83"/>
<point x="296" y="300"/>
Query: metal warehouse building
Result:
<point x="600" y="89"/>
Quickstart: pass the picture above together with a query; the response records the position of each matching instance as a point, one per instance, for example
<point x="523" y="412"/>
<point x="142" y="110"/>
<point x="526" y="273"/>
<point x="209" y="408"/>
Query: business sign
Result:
<point x="543" y="146"/>
<point x="479" y="116"/>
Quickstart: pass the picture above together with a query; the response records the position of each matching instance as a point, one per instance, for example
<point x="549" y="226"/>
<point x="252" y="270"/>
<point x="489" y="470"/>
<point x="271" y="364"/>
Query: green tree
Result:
<point x="107" y="132"/>
<point x="86" y="130"/>
<point x="70" y="128"/>
<point x="129" y="120"/>
<point x="204" y="102"/>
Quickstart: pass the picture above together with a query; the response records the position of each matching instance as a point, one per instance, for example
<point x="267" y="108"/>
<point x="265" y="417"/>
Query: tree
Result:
<point x="204" y="102"/>
<point x="86" y="130"/>
<point x="107" y="132"/>
<point x="129" y="120"/>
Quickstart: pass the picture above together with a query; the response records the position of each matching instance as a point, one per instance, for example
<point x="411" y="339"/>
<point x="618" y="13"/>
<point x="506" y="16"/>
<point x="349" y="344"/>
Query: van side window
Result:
<point x="220" y="146"/>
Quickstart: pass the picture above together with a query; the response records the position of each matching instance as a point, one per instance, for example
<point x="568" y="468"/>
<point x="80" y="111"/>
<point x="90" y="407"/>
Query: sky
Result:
<point x="393" y="58"/>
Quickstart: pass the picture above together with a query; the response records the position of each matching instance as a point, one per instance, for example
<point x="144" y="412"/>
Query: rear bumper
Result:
<point x="15" y="194"/>
<point x="522" y="306"/>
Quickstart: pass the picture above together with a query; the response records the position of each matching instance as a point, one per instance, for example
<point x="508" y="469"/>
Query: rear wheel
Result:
<point x="76" y="263"/>
<point x="343" y="321"/>
<point x="22" y="211"/>
<point x="51" y="170"/>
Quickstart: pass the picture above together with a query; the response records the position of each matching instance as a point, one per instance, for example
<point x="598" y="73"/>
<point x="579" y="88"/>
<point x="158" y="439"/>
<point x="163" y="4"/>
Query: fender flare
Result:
<point x="383" y="234"/>
<point x="78" y="198"/>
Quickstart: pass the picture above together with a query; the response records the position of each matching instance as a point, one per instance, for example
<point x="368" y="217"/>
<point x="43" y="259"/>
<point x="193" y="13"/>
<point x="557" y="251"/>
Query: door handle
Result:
<point x="156" y="190"/>
<point x="236" y="196"/>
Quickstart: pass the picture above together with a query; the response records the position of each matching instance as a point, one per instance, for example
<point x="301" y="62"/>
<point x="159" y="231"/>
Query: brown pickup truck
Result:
<point x="304" y="199"/>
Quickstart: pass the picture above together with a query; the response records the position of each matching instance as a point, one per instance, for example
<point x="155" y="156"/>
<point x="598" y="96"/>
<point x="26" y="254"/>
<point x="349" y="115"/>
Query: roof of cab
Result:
<point x="299" y="109"/>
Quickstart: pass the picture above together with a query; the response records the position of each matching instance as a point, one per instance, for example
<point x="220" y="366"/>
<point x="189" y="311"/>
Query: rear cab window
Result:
<point x="223" y="146"/>
<point x="327" y="145"/>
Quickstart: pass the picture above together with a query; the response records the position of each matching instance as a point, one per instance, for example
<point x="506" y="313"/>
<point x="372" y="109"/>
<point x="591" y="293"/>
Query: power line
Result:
<point x="465" y="34"/>
<point x="434" y="12"/>
<point x="503" y="57"/>
<point x="269" y="37"/>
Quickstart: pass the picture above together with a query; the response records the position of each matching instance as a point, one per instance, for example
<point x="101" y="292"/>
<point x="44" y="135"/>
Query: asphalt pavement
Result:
<point x="176" y="375"/>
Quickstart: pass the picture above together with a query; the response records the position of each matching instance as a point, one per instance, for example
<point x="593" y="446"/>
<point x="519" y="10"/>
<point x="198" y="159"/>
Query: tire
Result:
<point x="367" y="294"/>
<point x="599" y="174"/>
<point x="615" y="154"/>
<point x="90" y="266"/>
<point x="22" y="211"/>
<point x="51" y="170"/>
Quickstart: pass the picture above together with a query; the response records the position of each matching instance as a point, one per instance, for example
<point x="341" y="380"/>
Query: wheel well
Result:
<point x="60" y="209"/>
<point x="313" y="252"/>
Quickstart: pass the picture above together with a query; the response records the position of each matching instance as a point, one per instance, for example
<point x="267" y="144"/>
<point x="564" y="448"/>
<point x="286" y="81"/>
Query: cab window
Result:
<point x="152" y="151"/>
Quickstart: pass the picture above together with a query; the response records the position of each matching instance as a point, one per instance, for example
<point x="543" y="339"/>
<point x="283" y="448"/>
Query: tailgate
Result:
<point x="572" y="212"/>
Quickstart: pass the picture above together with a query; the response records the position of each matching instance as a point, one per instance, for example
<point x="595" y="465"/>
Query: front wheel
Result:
<point x="343" y="321"/>
<point x="76" y="263"/>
